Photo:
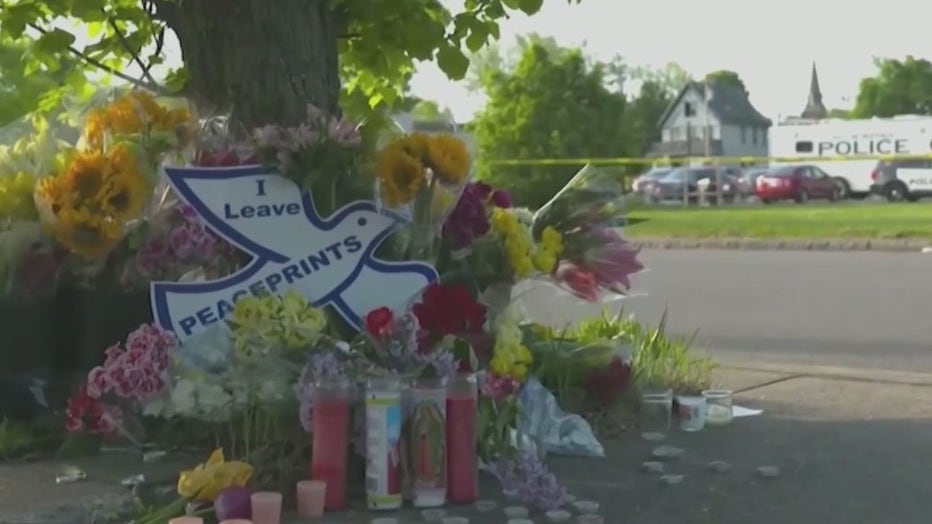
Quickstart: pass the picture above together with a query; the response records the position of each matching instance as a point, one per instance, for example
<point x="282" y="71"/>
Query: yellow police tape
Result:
<point x="665" y="161"/>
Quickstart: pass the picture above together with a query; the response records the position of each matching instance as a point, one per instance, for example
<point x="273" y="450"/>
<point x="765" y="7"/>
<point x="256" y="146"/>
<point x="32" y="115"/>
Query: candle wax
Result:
<point x="330" y="444"/>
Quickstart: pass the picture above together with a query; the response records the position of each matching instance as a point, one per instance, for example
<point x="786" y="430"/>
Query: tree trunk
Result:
<point x="262" y="61"/>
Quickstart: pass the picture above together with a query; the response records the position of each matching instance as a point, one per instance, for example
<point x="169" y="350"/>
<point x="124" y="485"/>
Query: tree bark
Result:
<point x="261" y="61"/>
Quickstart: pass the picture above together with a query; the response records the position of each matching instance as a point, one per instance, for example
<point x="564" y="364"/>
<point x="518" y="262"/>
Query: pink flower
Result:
<point x="98" y="382"/>
<point x="498" y="387"/>
<point x="613" y="260"/>
<point x="581" y="282"/>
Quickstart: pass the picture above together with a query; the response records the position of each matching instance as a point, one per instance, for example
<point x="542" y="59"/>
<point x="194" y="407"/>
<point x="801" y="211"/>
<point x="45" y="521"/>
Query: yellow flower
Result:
<point x="207" y="480"/>
<point x="551" y="241"/>
<point x="134" y="113"/>
<point x="416" y="145"/>
<point x="401" y="175"/>
<point x="449" y="158"/>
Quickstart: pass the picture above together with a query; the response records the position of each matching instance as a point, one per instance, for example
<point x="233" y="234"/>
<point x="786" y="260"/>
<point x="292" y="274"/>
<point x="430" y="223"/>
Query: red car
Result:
<point x="799" y="183"/>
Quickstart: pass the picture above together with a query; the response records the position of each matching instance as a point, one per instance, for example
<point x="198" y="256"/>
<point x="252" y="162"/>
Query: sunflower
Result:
<point x="127" y="189"/>
<point x="401" y="175"/>
<point x="136" y="112"/>
<point x="85" y="233"/>
<point x="448" y="157"/>
<point x="415" y="144"/>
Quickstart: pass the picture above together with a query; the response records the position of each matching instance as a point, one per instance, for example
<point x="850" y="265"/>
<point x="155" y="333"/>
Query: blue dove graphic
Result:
<point x="330" y="261"/>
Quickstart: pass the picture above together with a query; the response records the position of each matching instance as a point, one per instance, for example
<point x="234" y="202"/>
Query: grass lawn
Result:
<point x="849" y="220"/>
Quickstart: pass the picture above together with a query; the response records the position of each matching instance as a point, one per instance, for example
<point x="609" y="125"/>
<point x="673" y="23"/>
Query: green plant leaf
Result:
<point x="54" y="41"/>
<point x="452" y="61"/>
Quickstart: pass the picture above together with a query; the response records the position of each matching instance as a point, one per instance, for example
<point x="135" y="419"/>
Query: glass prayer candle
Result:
<point x="266" y="507"/>
<point x="718" y="407"/>
<point x="186" y="520"/>
<point x="330" y="439"/>
<point x="383" y="443"/>
<point x="427" y="442"/>
<point x="310" y="495"/>
<point x="462" y="458"/>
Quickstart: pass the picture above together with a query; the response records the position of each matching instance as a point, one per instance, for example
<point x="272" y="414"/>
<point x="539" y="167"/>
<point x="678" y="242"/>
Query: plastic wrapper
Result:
<point x="551" y="429"/>
<point x="104" y="185"/>
<point x="595" y="262"/>
<point x="420" y="178"/>
<point x="258" y="355"/>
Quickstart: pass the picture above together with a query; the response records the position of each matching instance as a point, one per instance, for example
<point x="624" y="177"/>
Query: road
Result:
<point x="865" y="310"/>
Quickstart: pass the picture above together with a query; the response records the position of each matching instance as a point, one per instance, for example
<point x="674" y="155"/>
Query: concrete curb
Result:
<point x="832" y="373"/>
<point x="787" y="244"/>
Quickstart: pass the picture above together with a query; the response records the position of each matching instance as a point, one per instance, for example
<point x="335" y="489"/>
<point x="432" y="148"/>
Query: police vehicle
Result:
<point x="898" y="180"/>
<point x="826" y="144"/>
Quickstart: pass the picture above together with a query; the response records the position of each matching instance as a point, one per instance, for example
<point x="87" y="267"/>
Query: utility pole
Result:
<point x="708" y="142"/>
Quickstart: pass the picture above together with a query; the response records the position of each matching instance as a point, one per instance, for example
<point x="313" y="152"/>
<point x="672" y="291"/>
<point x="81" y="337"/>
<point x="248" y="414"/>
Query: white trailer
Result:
<point x="826" y="144"/>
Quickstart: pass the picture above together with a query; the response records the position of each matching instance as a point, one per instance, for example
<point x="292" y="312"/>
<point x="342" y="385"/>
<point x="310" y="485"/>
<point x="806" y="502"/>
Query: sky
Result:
<point x="770" y="44"/>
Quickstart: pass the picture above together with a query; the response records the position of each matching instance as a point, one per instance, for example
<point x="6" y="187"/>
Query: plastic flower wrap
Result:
<point x="176" y="243"/>
<point x="30" y="262"/>
<point x="420" y="177"/>
<point x="322" y="155"/>
<point x="104" y="186"/>
<point x="509" y="253"/>
<point x="595" y="262"/>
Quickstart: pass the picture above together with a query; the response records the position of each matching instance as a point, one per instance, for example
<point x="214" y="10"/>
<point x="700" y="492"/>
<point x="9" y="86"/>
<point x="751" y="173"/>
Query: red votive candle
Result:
<point x="462" y="459"/>
<point x="330" y="442"/>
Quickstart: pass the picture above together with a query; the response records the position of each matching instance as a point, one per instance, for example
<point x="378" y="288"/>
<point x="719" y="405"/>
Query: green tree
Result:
<point x="671" y="77"/>
<point x="548" y="106"/>
<point x="18" y="90"/>
<point x="430" y="111"/>
<point x="726" y="77"/>
<point x="900" y="87"/>
<point x="645" y="111"/>
<point x="260" y="60"/>
<point x="841" y="114"/>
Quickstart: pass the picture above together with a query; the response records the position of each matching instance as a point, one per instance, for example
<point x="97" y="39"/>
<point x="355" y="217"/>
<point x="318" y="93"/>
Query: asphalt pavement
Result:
<point x="867" y="310"/>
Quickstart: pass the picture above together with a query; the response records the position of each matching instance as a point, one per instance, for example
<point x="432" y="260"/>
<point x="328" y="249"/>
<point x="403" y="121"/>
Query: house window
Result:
<point x="804" y="147"/>
<point x="665" y="135"/>
<point x="744" y="135"/>
<point x="688" y="109"/>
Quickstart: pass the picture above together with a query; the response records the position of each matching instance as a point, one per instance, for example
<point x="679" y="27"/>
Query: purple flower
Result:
<point x="444" y="363"/>
<point x="469" y="219"/>
<point x="186" y="245"/>
<point x="530" y="481"/>
<point x="319" y="365"/>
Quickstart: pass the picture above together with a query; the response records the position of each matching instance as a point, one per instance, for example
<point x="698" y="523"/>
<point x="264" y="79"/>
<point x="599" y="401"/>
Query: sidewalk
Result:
<point x="848" y="451"/>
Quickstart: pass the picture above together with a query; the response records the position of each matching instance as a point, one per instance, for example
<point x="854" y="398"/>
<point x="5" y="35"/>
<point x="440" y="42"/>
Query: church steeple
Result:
<point x="815" y="109"/>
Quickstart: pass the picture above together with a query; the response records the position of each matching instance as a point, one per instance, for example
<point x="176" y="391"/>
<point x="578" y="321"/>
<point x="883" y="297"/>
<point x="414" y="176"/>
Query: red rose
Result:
<point x="379" y="322"/>
<point x="449" y="310"/>
<point x="581" y="282"/>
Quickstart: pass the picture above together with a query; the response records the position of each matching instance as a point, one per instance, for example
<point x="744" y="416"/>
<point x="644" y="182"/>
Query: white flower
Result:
<point x="184" y="398"/>
<point x="213" y="402"/>
<point x="158" y="406"/>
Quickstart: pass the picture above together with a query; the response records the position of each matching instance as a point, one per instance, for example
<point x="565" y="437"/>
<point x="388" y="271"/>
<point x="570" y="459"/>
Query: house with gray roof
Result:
<point x="732" y="127"/>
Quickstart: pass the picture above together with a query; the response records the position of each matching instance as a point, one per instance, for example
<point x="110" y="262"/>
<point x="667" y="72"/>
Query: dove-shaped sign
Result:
<point x="329" y="260"/>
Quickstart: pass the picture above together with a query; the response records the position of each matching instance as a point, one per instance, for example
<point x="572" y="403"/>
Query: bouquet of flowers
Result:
<point x="420" y="177"/>
<point x="131" y="375"/>
<point x="596" y="261"/>
<point x="175" y="243"/>
<point x="491" y="245"/>
<point x="104" y="185"/>
<point x="585" y="366"/>
<point x="321" y="155"/>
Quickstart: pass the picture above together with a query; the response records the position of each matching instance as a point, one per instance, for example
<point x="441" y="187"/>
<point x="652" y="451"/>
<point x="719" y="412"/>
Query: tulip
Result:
<point x="207" y="480"/>
<point x="581" y="282"/>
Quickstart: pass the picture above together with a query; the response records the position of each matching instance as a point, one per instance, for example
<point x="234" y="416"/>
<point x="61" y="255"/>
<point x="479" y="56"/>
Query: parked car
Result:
<point x="642" y="183"/>
<point x="672" y="186"/>
<point x="800" y="183"/>
<point x="898" y="180"/>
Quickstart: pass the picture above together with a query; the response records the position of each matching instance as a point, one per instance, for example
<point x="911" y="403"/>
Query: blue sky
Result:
<point x="771" y="44"/>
